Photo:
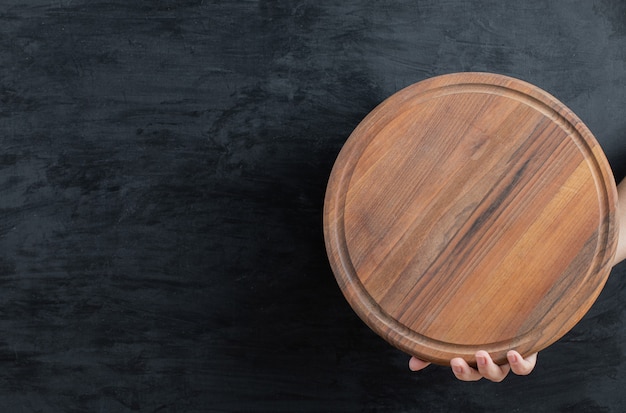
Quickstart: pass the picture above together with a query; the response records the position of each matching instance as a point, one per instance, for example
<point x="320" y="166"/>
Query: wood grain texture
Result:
<point x="471" y="211"/>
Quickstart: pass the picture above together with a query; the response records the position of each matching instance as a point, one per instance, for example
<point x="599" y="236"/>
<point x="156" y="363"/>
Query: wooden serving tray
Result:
<point x="471" y="212"/>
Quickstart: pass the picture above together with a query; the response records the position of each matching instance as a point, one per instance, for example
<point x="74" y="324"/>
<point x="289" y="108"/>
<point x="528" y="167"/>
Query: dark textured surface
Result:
<point x="162" y="171"/>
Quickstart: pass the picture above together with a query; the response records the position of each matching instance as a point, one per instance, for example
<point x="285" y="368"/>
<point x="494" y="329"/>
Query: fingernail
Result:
<point x="481" y="360"/>
<point x="512" y="358"/>
<point x="457" y="369"/>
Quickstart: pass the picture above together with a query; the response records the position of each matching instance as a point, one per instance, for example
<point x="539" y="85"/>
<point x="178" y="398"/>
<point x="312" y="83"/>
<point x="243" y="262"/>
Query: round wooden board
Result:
<point x="468" y="212"/>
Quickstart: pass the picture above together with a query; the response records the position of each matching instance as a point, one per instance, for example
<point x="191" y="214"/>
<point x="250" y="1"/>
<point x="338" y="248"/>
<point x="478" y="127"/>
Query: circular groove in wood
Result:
<point x="444" y="194"/>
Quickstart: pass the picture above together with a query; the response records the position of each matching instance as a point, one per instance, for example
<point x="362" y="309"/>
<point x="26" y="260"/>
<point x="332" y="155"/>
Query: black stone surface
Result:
<point x="162" y="172"/>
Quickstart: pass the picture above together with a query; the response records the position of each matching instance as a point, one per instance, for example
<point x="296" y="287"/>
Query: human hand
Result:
<point x="486" y="368"/>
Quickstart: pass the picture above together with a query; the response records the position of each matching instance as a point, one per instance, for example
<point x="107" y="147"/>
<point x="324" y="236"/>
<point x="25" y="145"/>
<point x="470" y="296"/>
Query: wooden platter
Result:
<point x="471" y="211"/>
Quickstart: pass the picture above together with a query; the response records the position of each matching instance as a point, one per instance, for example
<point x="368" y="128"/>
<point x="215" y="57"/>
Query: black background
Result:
<point x="162" y="173"/>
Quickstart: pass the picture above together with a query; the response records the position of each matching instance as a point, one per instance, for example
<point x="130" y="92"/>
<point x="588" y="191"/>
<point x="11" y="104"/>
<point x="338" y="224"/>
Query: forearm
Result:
<point x="621" y="218"/>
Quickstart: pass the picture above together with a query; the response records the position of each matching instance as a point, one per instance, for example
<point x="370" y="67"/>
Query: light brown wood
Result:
<point x="471" y="212"/>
